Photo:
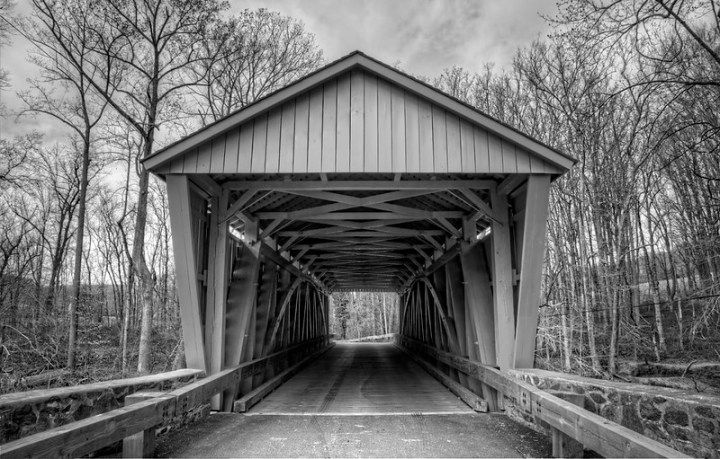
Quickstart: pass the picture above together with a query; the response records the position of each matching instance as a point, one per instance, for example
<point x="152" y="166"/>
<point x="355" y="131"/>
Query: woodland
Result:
<point x="630" y="89"/>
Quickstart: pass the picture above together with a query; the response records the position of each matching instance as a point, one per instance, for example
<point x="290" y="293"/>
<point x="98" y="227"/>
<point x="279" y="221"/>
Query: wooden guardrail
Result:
<point x="83" y="437"/>
<point x="593" y="431"/>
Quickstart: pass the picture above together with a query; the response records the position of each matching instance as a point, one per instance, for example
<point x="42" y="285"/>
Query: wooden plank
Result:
<point x="482" y="150"/>
<point x="439" y="130"/>
<point x="246" y="148"/>
<point x="338" y="68"/>
<point x="259" y="144"/>
<point x="503" y="301"/>
<point x="523" y="161"/>
<point x="412" y="134"/>
<point x="371" y="123"/>
<point x="329" y="125"/>
<point x="531" y="262"/>
<point x="217" y="155"/>
<point x="203" y="158"/>
<point x="315" y="131"/>
<point x="300" y="143"/>
<point x="374" y="185"/>
<point x="180" y="210"/>
<point x="384" y="127"/>
<point x="427" y="159"/>
<point x="247" y="401"/>
<point x="239" y="307"/>
<point x="454" y="150"/>
<point x="232" y="143"/>
<point x="141" y="444"/>
<point x="190" y="162"/>
<point x="467" y="147"/>
<point x="272" y="151"/>
<point x="496" y="154"/>
<point x="473" y="400"/>
<point x="33" y="397"/>
<point x="342" y="162"/>
<point x="509" y="158"/>
<point x="398" y="129"/>
<point x="218" y="267"/>
<point x="479" y="307"/>
<point x="357" y="121"/>
<point x="176" y="166"/>
<point x="536" y="164"/>
<point x="287" y="137"/>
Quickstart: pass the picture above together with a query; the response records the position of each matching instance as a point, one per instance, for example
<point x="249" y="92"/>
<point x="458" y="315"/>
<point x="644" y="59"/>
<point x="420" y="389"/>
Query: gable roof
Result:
<point x="358" y="114"/>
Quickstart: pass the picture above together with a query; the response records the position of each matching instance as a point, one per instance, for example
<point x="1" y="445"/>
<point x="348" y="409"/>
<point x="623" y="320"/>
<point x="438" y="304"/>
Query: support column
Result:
<point x="503" y="301"/>
<point x="240" y="303"/>
<point x="179" y="204"/>
<point x="531" y="263"/>
<point x="217" y="282"/>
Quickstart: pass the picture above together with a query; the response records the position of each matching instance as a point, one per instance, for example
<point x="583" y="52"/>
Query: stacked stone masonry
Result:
<point x="686" y="421"/>
<point x="27" y="413"/>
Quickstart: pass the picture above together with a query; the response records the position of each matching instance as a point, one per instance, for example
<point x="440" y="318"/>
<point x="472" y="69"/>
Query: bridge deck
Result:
<point x="362" y="378"/>
<point x="358" y="400"/>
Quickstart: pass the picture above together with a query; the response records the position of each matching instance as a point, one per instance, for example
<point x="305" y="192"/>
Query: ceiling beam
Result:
<point x="349" y="185"/>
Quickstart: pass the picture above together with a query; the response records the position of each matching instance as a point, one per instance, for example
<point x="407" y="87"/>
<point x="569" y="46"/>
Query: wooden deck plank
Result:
<point x="356" y="378"/>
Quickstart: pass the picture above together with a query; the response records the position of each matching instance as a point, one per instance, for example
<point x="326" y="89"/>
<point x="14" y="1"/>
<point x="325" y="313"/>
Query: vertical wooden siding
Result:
<point x="358" y="123"/>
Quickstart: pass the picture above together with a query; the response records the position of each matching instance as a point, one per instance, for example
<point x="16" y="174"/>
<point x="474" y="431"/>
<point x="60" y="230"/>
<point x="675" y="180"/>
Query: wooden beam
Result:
<point x="531" y="262"/>
<point x="405" y="215"/>
<point x="218" y="267"/>
<point x="503" y="301"/>
<point x="240" y="305"/>
<point x="511" y="182"/>
<point x="179" y="204"/>
<point x="364" y="201"/>
<point x="238" y="205"/>
<point x="375" y="185"/>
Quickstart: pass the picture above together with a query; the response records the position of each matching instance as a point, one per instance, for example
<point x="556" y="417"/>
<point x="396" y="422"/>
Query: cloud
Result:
<point x="426" y="36"/>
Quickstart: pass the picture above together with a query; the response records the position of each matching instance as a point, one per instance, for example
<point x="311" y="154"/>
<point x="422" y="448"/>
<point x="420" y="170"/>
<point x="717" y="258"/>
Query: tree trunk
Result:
<point x="77" y="269"/>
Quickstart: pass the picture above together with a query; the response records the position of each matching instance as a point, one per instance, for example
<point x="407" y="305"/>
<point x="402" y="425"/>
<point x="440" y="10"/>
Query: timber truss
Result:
<point x="362" y="233"/>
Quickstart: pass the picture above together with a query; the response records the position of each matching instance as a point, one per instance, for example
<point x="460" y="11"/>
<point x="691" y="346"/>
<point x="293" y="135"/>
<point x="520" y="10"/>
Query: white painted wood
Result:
<point x="531" y="262"/>
<point x="179" y="204"/>
<point x="503" y="303"/>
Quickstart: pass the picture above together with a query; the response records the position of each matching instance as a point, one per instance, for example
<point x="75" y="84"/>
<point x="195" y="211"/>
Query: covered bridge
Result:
<point x="358" y="177"/>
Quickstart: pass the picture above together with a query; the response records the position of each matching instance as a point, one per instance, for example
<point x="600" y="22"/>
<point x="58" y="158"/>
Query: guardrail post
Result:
<point x="141" y="444"/>
<point x="564" y="445"/>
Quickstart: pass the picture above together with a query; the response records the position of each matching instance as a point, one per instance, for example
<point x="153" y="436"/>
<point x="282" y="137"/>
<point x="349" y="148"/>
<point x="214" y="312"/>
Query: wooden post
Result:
<point x="218" y="267"/>
<point x="179" y="204"/>
<point x="564" y="445"/>
<point x="503" y="302"/>
<point x="141" y="444"/>
<point x="479" y="307"/>
<point x="531" y="262"/>
<point x="240" y="304"/>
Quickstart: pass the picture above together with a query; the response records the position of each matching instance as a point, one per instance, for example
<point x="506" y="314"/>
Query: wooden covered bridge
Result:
<point x="361" y="178"/>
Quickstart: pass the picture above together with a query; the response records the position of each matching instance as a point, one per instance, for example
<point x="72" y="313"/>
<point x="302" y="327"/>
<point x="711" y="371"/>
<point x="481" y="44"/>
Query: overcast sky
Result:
<point x="424" y="36"/>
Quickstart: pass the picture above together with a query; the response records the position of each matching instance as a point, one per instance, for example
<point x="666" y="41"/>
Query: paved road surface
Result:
<point x="358" y="400"/>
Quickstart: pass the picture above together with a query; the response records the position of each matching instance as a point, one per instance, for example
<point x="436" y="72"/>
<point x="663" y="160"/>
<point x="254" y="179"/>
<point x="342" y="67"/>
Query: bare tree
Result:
<point x="144" y="53"/>
<point x="77" y="109"/>
<point x="259" y="52"/>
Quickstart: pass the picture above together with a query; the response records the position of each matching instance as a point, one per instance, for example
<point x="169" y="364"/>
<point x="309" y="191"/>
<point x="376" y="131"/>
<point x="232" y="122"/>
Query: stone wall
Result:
<point x="686" y="421"/>
<point x="27" y="413"/>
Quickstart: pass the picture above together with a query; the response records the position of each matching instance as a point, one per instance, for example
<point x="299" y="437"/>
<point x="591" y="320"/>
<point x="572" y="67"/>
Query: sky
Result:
<point x="422" y="36"/>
